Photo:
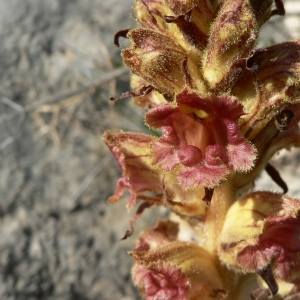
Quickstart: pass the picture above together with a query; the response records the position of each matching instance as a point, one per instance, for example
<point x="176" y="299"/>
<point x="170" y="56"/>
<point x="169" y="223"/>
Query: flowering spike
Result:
<point x="223" y="110"/>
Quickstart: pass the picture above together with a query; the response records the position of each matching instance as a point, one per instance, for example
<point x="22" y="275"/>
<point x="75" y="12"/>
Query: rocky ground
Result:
<point x="59" y="237"/>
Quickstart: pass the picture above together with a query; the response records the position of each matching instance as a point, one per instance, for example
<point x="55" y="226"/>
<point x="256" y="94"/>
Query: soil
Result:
<point x="59" y="237"/>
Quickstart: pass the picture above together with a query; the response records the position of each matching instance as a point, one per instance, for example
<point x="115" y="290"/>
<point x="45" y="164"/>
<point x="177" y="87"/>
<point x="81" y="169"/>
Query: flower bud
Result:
<point x="232" y="37"/>
<point x="156" y="58"/>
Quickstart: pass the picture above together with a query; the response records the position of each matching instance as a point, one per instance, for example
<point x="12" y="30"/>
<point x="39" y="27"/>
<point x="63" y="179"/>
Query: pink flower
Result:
<point x="176" y="271"/>
<point x="201" y="141"/>
<point x="144" y="181"/>
<point x="262" y="231"/>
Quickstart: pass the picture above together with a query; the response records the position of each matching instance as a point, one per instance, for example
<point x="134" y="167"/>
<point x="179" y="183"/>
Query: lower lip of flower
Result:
<point x="189" y="155"/>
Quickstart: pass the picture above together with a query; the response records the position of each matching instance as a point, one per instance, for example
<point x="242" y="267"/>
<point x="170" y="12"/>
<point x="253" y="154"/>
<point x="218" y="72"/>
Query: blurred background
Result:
<point x="59" y="239"/>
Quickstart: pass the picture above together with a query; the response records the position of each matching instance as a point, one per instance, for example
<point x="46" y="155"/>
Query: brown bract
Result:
<point x="157" y="59"/>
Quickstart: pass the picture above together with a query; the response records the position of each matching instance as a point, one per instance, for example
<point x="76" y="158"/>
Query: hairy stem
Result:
<point x="222" y="199"/>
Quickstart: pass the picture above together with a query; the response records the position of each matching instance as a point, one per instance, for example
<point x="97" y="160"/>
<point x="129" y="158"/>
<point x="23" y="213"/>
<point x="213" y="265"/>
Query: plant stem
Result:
<point x="222" y="199"/>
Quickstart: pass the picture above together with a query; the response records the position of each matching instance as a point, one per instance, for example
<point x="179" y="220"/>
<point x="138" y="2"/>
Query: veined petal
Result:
<point x="262" y="230"/>
<point x="133" y="152"/>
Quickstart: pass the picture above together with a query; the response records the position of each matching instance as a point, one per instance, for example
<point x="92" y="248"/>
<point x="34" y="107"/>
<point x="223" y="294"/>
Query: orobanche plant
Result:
<point x="223" y="108"/>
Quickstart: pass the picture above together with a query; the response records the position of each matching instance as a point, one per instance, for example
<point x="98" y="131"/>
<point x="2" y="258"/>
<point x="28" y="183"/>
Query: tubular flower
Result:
<point x="222" y="109"/>
<point x="168" y="269"/>
<point x="232" y="38"/>
<point x="201" y="137"/>
<point x="261" y="231"/>
<point x="161" y="67"/>
<point x="144" y="181"/>
<point x="148" y="99"/>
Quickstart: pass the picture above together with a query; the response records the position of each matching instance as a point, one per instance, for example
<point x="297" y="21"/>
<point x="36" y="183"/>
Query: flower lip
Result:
<point x="161" y="281"/>
<point x="216" y="155"/>
<point x="189" y="155"/>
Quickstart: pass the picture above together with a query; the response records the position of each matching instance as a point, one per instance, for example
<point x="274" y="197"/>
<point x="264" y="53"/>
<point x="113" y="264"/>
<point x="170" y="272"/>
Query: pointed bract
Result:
<point x="156" y="58"/>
